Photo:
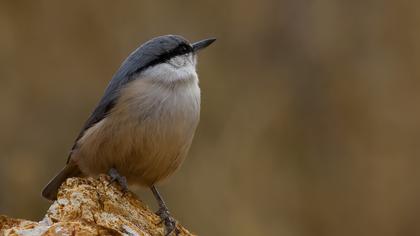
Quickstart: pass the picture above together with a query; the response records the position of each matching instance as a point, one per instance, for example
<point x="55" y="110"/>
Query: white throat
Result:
<point x="177" y="69"/>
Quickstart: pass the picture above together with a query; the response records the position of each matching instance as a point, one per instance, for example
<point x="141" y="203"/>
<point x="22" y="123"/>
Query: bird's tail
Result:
<point x="70" y="170"/>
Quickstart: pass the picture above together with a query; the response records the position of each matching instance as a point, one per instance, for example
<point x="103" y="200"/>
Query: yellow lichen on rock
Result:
<point x="89" y="206"/>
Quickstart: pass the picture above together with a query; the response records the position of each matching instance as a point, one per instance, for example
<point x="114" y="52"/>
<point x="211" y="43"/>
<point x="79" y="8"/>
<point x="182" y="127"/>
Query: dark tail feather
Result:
<point x="50" y="191"/>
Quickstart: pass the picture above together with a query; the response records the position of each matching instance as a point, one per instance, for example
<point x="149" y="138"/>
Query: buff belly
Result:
<point x="146" y="136"/>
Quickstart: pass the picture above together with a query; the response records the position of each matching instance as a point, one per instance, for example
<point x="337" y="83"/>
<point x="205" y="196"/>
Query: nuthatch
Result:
<point x="143" y="126"/>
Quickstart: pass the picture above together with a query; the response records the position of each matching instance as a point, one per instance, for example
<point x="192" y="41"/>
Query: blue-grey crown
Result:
<point x="154" y="51"/>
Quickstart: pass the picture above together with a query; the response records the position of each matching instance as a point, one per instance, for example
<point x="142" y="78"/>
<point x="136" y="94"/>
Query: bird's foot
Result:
<point x="168" y="221"/>
<point x="116" y="177"/>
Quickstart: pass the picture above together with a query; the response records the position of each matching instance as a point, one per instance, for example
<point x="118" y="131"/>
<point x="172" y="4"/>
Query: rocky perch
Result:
<point x="89" y="206"/>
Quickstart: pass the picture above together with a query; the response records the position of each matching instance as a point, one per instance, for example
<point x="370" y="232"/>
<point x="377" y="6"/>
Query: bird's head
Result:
<point x="166" y="58"/>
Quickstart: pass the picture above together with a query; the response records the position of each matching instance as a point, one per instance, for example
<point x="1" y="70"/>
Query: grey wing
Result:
<point x="101" y="111"/>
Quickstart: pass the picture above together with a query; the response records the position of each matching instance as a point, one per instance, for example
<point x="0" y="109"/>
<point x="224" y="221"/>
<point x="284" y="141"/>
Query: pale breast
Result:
<point x="147" y="134"/>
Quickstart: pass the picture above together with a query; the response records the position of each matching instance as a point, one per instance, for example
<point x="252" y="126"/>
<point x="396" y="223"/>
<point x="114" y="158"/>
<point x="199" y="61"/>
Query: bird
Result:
<point x="143" y="126"/>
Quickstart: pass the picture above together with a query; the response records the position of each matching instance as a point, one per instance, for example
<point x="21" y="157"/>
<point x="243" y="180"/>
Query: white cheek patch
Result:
<point x="178" y="61"/>
<point x="180" y="68"/>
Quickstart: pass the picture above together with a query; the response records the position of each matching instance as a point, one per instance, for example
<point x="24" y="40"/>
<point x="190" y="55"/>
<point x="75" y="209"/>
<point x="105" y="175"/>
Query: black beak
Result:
<point x="197" y="46"/>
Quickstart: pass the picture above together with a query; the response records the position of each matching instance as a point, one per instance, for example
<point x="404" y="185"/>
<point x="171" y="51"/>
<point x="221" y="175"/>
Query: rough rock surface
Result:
<point x="89" y="206"/>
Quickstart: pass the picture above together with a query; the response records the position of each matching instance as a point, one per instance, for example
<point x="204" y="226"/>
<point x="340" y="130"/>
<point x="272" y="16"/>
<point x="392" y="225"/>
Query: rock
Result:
<point x="89" y="206"/>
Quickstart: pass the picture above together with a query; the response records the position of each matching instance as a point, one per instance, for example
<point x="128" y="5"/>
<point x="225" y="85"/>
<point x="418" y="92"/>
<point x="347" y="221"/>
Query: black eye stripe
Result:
<point x="181" y="49"/>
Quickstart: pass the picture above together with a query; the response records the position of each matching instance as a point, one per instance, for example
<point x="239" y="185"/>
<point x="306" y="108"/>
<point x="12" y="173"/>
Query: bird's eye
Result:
<point x="184" y="49"/>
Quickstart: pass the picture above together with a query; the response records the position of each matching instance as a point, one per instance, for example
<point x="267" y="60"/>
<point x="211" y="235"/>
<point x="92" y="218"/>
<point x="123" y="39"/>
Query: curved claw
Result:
<point x="116" y="177"/>
<point x="163" y="212"/>
<point x="168" y="220"/>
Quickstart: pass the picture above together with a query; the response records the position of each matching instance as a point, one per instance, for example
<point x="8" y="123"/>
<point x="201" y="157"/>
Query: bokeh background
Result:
<point x="310" y="109"/>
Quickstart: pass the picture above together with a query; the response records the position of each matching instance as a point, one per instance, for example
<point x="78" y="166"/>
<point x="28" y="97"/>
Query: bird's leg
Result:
<point x="163" y="212"/>
<point x="116" y="177"/>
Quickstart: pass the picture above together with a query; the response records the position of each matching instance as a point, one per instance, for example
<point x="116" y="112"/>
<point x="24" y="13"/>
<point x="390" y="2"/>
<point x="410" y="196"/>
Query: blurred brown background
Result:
<point x="310" y="119"/>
